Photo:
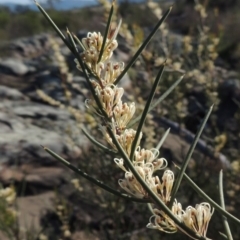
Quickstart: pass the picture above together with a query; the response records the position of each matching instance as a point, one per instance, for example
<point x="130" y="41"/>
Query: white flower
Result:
<point x="164" y="189"/>
<point x="126" y="139"/>
<point x="177" y="209"/>
<point x="123" y="113"/>
<point x="130" y="183"/>
<point x="93" y="45"/>
<point x="198" y="218"/>
<point x="109" y="97"/>
<point x="143" y="156"/>
<point x="160" y="221"/>
<point x="112" y="71"/>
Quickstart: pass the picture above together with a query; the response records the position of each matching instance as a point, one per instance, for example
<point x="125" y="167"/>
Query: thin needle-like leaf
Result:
<point x="106" y="32"/>
<point x="208" y="199"/>
<point x="145" y="111"/>
<point x="166" y="93"/>
<point x="188" y="157"/>
<point x="144" y="44"/>
<point x="223" y="235"/>
<point x="70" y="46"/>
<point x="91" y="179"/>
<point x="222" y="202"/>
<point x="72" y="41"/>
<point x="94" y="141"/>
<point x="59" y="32"/>
<point x="158" y="101"/>
<point x="78" y="41"/>
<point x="163" y="139"/>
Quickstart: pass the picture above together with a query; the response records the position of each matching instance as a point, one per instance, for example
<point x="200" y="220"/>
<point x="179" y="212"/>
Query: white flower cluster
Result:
<point x="145" y="161"/>
<point x="196" y="218"/>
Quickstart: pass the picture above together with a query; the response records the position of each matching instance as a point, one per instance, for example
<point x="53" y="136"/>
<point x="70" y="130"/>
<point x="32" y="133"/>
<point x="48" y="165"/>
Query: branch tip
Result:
<point x="45" y="148"/>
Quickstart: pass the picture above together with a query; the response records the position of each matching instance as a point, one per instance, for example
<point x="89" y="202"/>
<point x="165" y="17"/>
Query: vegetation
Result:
<point x="196" y="58"/>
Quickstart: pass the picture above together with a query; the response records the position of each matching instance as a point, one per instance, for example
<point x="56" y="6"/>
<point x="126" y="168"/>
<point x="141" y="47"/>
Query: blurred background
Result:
<point x="42" y="103"/>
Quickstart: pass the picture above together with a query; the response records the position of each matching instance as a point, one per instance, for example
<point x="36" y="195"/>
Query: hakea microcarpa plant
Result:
<point x="145" y="162"/>
<point x="142" y="166"/>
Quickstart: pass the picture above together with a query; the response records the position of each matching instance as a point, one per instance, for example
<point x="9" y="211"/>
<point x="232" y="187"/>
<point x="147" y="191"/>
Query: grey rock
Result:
<point x="14" y="66"/>
<point x="38" y="111"/>
<point x="10" y="93"/>
<point x="25" y="126"/>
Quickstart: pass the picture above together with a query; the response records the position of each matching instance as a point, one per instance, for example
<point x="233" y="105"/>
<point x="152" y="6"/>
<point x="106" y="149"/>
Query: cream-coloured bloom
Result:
<point x="130" y="183"/>
<point x="143" y="156"/>
<point x="109" y="97"/>
<point x="123" y="113"/>
<point x="120" y="163"/>
<point x="198" y="218"/>
<point x="164" y="188"/>
<point x="160" y="221"/>
<point x="145" y="169"/>
<point x="111" y="72"/>
<point x="93" y="44"/>
<point x="177" y="209"/>
<point x="126" y="139"/>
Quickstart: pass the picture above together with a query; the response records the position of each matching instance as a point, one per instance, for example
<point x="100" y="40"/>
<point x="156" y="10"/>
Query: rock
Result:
<point x="25" y="126"/>
<point x="10" y="93"/>
<point x="35" y="177"/>
<point x="179" y="140"/>
<point x="30" y="210"/>
<point x="30" y="46"/>
<point x="14" y="66"/>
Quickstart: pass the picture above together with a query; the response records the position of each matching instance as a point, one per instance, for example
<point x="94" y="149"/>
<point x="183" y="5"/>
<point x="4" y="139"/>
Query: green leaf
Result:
<point x="161" y="98"/>
<point x="91" y="179"/>
<point x="163" y="139"/>
<point x="188" y="157"/>
<point x="222" y="202"/>
<point x="98" y="144"/>
<point x="61" y="35"/>
<point x="145" y="111"/>
<point x="144" y="44"/>
<point x="106" y="32"/>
